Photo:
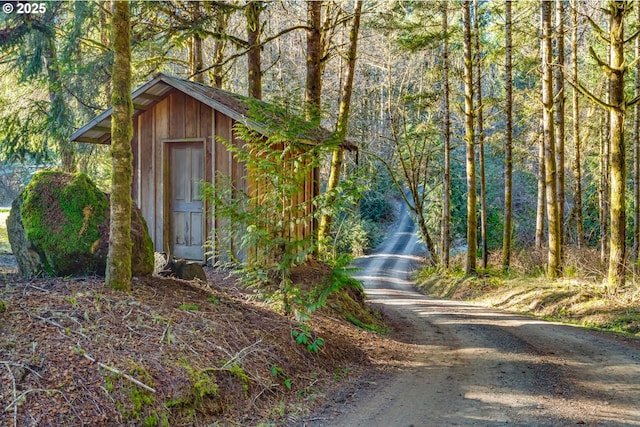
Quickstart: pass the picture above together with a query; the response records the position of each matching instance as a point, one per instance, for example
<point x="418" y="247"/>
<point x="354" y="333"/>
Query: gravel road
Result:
<point x="472" y="366"/>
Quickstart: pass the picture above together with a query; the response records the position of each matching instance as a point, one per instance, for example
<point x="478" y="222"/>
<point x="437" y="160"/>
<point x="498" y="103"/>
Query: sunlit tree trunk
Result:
<point x="324" y="228"/>
<point x="254" y="66"/>
<point x="470" y="138"/>
<point x="541" y="199"/>
<point x="480" y="119"/>
<point x="105" y="32"/>
<point x="577" y="166"/>
<point x="616" y="274"/>
<point x="508" y="147"/>
<point x="118" y="271"/>
<point x="603" y="189"/>
<point x="606" y="177"/>
<point x="559" y="97"/>
<point x="636" y="154"/>
<point x="446" y="183"/>
<point x="554" y="240"/>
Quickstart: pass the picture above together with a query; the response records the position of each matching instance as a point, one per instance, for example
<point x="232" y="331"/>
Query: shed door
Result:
<point x="186" y="168"/>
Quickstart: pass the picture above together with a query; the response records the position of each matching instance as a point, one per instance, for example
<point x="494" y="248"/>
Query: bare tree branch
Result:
<point x="246" y="50"/>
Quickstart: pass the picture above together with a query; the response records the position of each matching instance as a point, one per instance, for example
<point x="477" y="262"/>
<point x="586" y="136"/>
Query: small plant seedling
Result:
<point x="277" y="371"/>
<point x="303" y="336"/>
<point x="190" y="307"/>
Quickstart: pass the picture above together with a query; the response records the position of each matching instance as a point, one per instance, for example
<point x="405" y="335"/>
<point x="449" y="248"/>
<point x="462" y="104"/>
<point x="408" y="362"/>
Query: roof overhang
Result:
<point x="98" y="130"/>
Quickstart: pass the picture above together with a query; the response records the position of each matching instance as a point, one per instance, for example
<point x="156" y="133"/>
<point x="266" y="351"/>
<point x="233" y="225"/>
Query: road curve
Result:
<point x="472" y="366"/>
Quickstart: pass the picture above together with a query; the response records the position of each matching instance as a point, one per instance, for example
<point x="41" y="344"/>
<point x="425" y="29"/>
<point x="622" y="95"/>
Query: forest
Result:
<point x="509" y="128"/>
<point x="337" y="160"/>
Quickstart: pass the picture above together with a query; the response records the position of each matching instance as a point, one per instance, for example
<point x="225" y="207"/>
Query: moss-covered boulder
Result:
<point x="59" y="226"/>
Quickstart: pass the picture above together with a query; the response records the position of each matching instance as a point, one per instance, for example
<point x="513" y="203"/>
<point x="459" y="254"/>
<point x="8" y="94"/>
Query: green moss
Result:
<point x="135" y="403"/>
<point x="61" y="214"/>
<point x="144" y="265"/>
<point x="242" y="375"/>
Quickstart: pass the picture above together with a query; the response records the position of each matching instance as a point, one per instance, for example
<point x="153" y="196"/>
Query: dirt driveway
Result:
<point x="472" y="366"/>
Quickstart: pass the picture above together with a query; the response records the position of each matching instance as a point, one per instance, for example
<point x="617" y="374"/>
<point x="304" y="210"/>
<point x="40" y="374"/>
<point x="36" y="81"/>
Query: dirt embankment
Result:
<point x="74" y="352"/>
<point x="583" y="302"/>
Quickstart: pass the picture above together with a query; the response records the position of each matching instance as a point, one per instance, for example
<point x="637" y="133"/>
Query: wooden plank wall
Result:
<point x="145" y="165"/>
<point x="135" y="182"/>
<point x="180" y="117"/>
<point x="161" y="126"/>
<point x="222" y="163"/>
<point x="239" y="177"/>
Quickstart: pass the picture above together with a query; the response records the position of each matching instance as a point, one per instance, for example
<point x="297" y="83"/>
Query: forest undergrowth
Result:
<point x="579" y="297"/>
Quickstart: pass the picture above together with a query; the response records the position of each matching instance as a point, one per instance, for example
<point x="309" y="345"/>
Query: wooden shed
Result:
<point x="175" y="147"/>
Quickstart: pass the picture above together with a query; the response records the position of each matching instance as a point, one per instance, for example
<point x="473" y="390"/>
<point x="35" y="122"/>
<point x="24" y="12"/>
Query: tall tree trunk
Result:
<point x="219" y="47"/>
<point x="606" y="177"/>
<point x="196" y="60"/>
<point x="472" y="226"/>
<point x="483" y="182"/>
<point x="541" y="199"/>
<point x="559" y="97"/>
<point x="313" y="89"/>
<point x="577" y="166"/>
<point x="58" y="108"/>
<point x="118" y="271"/>
<point x="196" y="63"/>
<point x="254" y="66"/>
<point x="616" y="274"/>
<point x="313" y="92"/>
<point x="105" y="31"/>
<point x="636" y="155"/>
<point x="554" y="240"/>
<point x="508" y="156"/>
<point x="446" y="184"/>
<point x="603" y="188"/>
<point x="324" y="228"/>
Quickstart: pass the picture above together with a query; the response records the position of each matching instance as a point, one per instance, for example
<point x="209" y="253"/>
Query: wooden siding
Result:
<point x="135" y="146"/>
<point x="179" y="118"/>
<point x="223" y="164"/>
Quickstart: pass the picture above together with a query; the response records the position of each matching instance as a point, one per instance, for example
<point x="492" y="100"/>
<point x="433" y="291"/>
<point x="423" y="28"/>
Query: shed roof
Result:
<point x="98" y="130"/>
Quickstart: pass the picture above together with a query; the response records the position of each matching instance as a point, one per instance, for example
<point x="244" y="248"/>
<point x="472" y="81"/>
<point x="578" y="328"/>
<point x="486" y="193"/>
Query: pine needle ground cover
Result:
<point x="75" y="352"/>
